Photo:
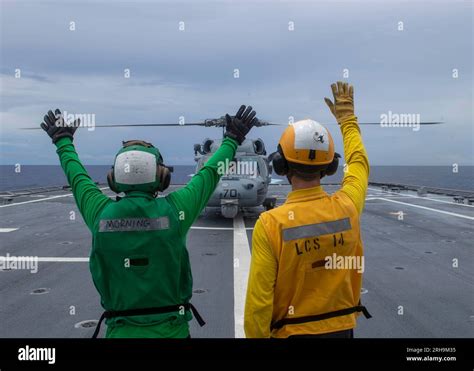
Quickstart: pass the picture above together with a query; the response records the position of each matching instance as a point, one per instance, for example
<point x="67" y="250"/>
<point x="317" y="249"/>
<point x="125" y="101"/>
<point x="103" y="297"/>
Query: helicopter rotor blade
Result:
<point x="216" y="124"/>
<point x="186" y="124"/>
<point x="372" y="123"/>
<point x="139" y="125"/>
<point x="133" y="125"/>
<point x="421" y="123"/>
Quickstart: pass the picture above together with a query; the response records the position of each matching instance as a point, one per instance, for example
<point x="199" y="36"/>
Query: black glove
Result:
<point x="57" y="128"/>
<point x="238" y="126"/>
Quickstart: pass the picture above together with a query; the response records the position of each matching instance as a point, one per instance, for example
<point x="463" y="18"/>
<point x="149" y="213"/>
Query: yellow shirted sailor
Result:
<point x="296" y="287"/>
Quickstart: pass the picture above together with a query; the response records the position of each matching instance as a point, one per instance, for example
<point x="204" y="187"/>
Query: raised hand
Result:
<point x="238" y="126"/>
<point x="56" y="127"/>
<point x="343" y="106"/>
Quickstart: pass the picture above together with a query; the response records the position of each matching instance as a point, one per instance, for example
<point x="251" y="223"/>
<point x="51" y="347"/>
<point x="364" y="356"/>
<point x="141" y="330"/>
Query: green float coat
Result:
<point x="139" y="257"/>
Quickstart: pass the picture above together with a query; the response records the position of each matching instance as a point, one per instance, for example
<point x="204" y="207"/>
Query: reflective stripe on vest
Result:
<point x="316" y="230"/>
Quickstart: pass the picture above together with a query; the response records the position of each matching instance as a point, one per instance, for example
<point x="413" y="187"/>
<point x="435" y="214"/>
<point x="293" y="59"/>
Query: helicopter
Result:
<point x="245" y="180"/>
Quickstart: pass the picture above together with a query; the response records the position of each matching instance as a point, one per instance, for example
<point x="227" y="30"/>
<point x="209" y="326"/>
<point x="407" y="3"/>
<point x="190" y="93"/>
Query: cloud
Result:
<point x="282" y="73"/>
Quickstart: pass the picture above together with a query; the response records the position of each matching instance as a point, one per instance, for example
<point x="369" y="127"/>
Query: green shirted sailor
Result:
<point x="139" y="261"/>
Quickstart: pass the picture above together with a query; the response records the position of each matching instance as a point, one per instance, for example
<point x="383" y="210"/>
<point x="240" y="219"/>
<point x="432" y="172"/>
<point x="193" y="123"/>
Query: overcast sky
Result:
<point x="282" y="73"/>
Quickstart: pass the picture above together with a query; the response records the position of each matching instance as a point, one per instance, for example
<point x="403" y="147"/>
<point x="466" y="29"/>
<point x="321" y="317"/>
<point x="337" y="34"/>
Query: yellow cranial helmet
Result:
<point x="307" y="142"/>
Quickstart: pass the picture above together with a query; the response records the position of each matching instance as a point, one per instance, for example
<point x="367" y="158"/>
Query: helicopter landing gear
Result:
<point x="269" y="203"/>
<point x="229" y="208"/>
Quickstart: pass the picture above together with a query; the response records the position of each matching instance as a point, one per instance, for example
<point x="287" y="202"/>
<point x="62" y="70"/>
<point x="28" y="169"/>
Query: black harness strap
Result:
<point x="320" y="317"/>
<point x="147" y="311"/>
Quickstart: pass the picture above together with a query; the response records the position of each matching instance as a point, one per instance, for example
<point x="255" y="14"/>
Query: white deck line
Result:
<point x="52" y="259"/>
<point x="6" y="230"/>
<point x="424" y="207"/>
<point x="241" y="272"/>
<point x="43" y="199"/>
<point x="421" y="198"/>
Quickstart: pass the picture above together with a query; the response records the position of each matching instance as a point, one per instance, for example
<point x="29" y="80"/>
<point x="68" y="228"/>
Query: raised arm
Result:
<point x="191" y="199"/>
<point x="356" y="174"/>
<point x="89" y="198"/>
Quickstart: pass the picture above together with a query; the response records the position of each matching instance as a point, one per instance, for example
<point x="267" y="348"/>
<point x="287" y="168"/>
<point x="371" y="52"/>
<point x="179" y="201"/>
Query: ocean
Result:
<point x="31" y="176"/>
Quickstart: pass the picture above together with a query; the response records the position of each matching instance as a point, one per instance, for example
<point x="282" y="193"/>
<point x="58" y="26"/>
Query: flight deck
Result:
<point x="418" y="279"/>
